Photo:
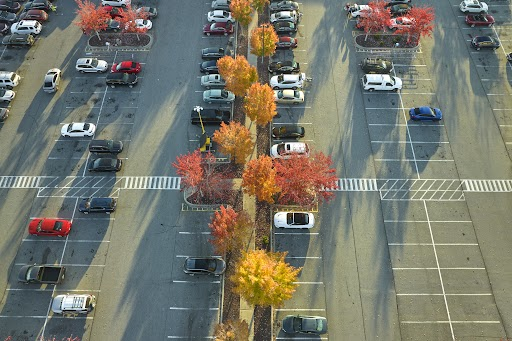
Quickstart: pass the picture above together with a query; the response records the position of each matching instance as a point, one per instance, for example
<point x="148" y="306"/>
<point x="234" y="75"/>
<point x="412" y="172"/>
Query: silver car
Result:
<point x="204" y="266"/>
<point x="91" y="65"/>
<point x="218" y="96"/>
<point x="213" y="81"/>
<point x="288" y="81"/>
<point x="52" y="80"/>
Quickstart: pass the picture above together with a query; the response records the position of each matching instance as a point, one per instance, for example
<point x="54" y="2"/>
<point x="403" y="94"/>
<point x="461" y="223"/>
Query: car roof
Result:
<point x="377" y="77"/>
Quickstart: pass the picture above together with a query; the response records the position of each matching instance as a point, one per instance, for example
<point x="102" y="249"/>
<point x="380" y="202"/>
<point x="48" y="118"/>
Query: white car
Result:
<point x="288" y="96"/>
<point x="143" y="24"/>
<point x="373" y="82"/>
<point x="91" y="65"/>
<point x="218" y="96"/>
<point x="52" y="80"/>
<point x="212" y="81"/>
<point x="285" y="150"/>
<point x="360" y="11"/>
<point x="290" y="16"/>
<point x="473" y="6"/>
<point x="78" y="129"/>
<point x="400" y="23"/>
<point x="288" y="81"/>
<point x="220" y="16"/>
<point x="294" y="220"/>
<point x="7" y="95"/>
<point x="116" y="3"/>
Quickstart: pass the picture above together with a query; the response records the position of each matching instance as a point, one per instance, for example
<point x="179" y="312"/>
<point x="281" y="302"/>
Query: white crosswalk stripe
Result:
<point x="487" y="185"/>
<point x="152" y="182"/>
<point x="20" y="181"/>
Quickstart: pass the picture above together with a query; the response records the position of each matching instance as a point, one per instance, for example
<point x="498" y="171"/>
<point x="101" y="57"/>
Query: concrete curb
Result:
<point x="90" y="48"/>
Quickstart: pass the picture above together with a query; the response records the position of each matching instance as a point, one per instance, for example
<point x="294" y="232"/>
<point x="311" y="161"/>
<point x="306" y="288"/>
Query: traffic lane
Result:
<point x="297" y="242"/>
<point x="190" y="323"/>
<point x="85" y="252"/>
<point x="26" y="303"/>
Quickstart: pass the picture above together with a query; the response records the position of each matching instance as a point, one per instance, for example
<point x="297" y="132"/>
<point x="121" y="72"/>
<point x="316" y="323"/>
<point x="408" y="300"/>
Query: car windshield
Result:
<point x="280" y="78"/>
<point x="301" y="218"/>
<point x="224" y="93"/>
<point x="281" y="149"/>
<point x="57" y="226"/>
<point x="94" y="62"/>
<point x="87" y="126"/>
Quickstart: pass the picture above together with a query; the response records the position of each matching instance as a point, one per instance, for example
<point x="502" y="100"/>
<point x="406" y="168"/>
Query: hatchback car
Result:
<point x="294" y="220"/>
<point x="150" y="12"/>
<point x="143" y="24"/>
<point x="210" y="116"/>
<point x="213" y="53"/>
<point x="218" y="28"/>
<point x="294" y="82"/>
<point x="289" y="16"/>
<point x="105" y="147"/>
<point x="7" y="95"/>
<point x="288" y="96"/>
<point x="49" y="227"/>
<point x="473" y="6"/>
<point x="97" y="205"/>
<point x="479" y="20"/>
<point x="283" y="66"/>
<point x="299" y="324"/>
<point x="286" y="150"/>
<point x="285" y="27"/>
<point x="288" y="131"/>
<point x="114" y="12"/>
<point x="220" y="16"/>
<point x="485" y="42"/>
<point x="78" y="129"/>
<point x="425" y="114"/>
<point x="218" y="96"/>
<point x="284" y="6"/>
<point x="10" y="6"/>
<point x="286" y="42"/>
<point x="91" y="65"/>
<point x="377" y="65"/>
<point x="34" y="14"/>
<point x="114" y="79"/>
<point x="204" y="266"/>
<point x="52" y="80"/>
<point x="213" y="81"/>
<point x="209" y="67"/>
<point x="126" y="66"/>
<point x="106" y="164"/>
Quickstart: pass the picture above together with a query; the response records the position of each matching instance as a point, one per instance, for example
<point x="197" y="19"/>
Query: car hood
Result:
<point x="273" y="151"/>
<point x="280" y="217"/>
<point x="398" y="82"/>
<point x="288" y="324"/>
<point x="22" y="275"/>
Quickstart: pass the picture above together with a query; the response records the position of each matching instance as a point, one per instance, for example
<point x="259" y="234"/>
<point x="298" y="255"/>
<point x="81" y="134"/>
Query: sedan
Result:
<point x="10" y="6"/>
<point x="37" y="4"/>
<point x="114" y="12"/>
<point x="143" y="24"/>
<point x="106" y="164"/>
<point x="294" y="220"/>
<point x="377" y="65"/>
<point x="304" y="325"/>
<point x="425" y="114"/>
<point x="289" y="16"/>
<point x="479" y="20"/>
<point x="127" y="66"/>
<point x="52" y="80"/>
<point x="91" y="65"/>
<point x="287" y="150"/>
<point x="213" y="53"/>
<point x="218" y="28"/>
<point x="400" y="23"/>
<point x="7" y="17"/>
<point x="286" y="43"/>
<point x="149" y="12"/>
<point x="4" y="113"/>
<point x="286" y="66"/>
<point x="218" y="96"/>
<point x="7" y="95"/>
<point x="284" y="6"/>
<point x="213" y="81"/>
<point x="97" y="205"/>
<point x="285" y="27"/>
<point x="34" y="14"/>
<point x="209" y="67"/>
<point x="220" y="16"/>
<point x="113" y="25"/>
<point x="118" y="78"/>
<point x="78" y="129"/>
<point x="204" y="266"/>
<point x="485" y="42"/>
<point x="288" y="96"/>
<point x="400" y="9"/>
<point x="288" y="81"/>
<point x="288" y="131"/>
<point x="49" y="227"/>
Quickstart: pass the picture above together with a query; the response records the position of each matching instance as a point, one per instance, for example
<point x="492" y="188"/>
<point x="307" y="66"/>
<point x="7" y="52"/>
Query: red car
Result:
<point x="34" y="14"/>
<point x="286" y="43"/>
<point x="479" y="20"/>
<point x="49" y="227"/>
<point x="113" y="11"/>
<point x="126" y="67"/>
<point x="224" y="28"/>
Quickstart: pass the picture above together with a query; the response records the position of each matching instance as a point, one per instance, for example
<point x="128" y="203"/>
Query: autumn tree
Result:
<point x="127" y="20"/>
<point x="234" y="139"/>
<point x="423" y="18"/>
<point x="259" y="5"/>
<point x="263" y="40"/>
<point x="259" y="104"/>
<point x="242" y="11"/>
<point x="238" y="73"/>
<point x="90" y="17"/>
<point x="264" y="278"/>
<point x="259" y="179"/>
<point x="303" y="179"/>
<point x="377" y="21"/>
<point x="231" y="230"/>
<point x="237" y="330"/>
<point x="202" y="178"/>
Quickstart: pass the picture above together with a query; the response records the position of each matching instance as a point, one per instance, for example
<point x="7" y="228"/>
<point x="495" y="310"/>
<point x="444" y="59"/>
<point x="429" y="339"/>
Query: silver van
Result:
<point x="9" y="80"/>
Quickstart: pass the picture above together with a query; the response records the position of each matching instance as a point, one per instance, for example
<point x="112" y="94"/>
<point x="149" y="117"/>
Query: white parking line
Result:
<point x="395" y="108"/>
<point x="413" y="142"/>
<point x="105" y="218"/>
<point x="298" y="309"/>
<point x="425" y="221"/>
<point x="314" y="283"/>
<point x="430" y="244"/>
<point x="66" y="158"/>
<point x="417" y="93"/>
<point x="81" y="92"/>
<point x="194" y="232"/>
<point x="438" y="268"/>
<point x="290" y="106"/>
<point x="413" y="65"/>
<point x="411" y="160"/>
<point x="488" y="294"/>
<point x="207" y="282"/>
<point x="49" y="290"/>
<point x="402" y="124"/>
<point x="181" y="308"/>
<point x="301" y="123"/>
<point x="297" y="233"/>
<point x="188" y="337"/>
<point x="44" y="317"/>
<point x="498" y="94"/>
<point x="297" y="257"/>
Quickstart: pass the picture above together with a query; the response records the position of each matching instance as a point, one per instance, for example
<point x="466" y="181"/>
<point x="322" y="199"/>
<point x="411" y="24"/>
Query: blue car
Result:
<point x="425" y="114"/>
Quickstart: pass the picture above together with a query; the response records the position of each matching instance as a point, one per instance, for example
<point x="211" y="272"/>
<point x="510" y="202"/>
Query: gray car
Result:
<point x="218" y="96"/>
<point x="316" y="325"/>
<point x="204" y="266"/>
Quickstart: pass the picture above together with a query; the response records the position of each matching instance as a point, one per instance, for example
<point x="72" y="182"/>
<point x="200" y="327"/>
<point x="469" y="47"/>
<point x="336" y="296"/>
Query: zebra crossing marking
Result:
<point x="20" y="181"/>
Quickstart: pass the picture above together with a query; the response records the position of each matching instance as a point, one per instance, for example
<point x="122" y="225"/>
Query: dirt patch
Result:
<point x="120" y="39"/>
<point x="384" y="41"/>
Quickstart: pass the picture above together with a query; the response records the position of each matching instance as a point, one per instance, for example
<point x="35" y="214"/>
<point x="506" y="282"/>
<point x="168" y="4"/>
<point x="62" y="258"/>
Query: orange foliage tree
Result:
<point x="230" y="230"/>
<point x="234" y="139"/>
<point x="259" y="5"/>
<point x="237" y="330"/>
<point x="259" y="103"/>
<point x="377" y="21"/>
<point x="263" y="40"/>
<point x="90" y="17"/>
<point x="242" y="11"/>
<point x="238" y="73"/>
<point x="259" y="179"/>
<point x="127" y="20"/>
<point x="264" y="278"/>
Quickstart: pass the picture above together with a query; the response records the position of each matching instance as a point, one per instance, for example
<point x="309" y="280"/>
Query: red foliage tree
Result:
<point x="259" y="179"/>
<point x="90" y="17"/>
<point x="377" y="21"/>
<point x="302" y="180"/>
<point x="230" y="230"/>
<point x="423" y="18"/>
<point x="127" y="20"/>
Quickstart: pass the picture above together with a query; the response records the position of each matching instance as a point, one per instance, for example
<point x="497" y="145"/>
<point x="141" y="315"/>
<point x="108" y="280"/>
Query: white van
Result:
<point x="9" y="80"/>
<point x="381" y="82"/>
<point x="27" y="27"/>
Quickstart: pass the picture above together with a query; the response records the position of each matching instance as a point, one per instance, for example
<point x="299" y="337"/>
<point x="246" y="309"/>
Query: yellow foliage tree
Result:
<point x="234" y="139"/>
<point x="242" y="11"/>
<point x="259" y="179"/>
<point x="259" y="103"/>
<point x="259" y="5"/>
<point x="263" y="40"/>
<point x="238" y="73"/>
<point x="264" y="278"/>
<point x="237" y="330"/>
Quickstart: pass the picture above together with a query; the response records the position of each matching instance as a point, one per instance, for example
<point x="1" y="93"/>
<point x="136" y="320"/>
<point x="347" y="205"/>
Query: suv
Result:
<point x="18" y="40"/>
<point x="52" y="80"/>
<point x="27" y="26"/>
<point x="473" y="6"/>
<point x="286" y="66"/>
<point x="105" y="146"/>
<point x="74" y="304"/>
<point x="97" y="205"/>
<point x="381" y="82"/>
<point x="9" y="80"/>
<point x="114" y="79"/>
<point x="377" y="65"/>
<point x="210" y="116"/>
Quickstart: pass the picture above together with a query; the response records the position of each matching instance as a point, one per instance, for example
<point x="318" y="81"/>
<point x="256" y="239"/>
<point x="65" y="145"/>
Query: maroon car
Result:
<point x="224" y="28"/>
<point x="113" y="11"/>
<point x="286" y="42"/>
<point x="34" y="14"/>
<point x="10" y="6"/>
<point x="479" y="20"/>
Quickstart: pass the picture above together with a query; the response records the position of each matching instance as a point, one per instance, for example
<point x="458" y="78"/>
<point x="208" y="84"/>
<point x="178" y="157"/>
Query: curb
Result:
<point x="90" y="48"/>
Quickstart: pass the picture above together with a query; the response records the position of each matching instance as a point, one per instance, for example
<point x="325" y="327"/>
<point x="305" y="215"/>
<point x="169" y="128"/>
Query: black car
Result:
<point x="113" y="26"/>
<point x="485" y="42"/>
<point x="4" y="28"/>
<point x="10" y="6"/>
<point x="7" y="17"/>
<point x="119" y="78"/>
<point x="400" y="9"/>
<point x="204" y="266"/>
<point x="210" y="116"/>
<point x="213" y="53"/>
<point x="285" y="27"/>
<point x="377" y="65"/>
<point x="288" y="131"/>
<point x="105" y="147"/>
<point x="286" y="66"/>
<point x="4" y="113"/>
<point x="304" y="325"/>
<point x="284" y="5"/>
<point x="97" y="205"/>
<point x="18" y="40"/>
<point x="37" y="4"/>
<point x="209" y="67"/>
<point x="106" y="164"/>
